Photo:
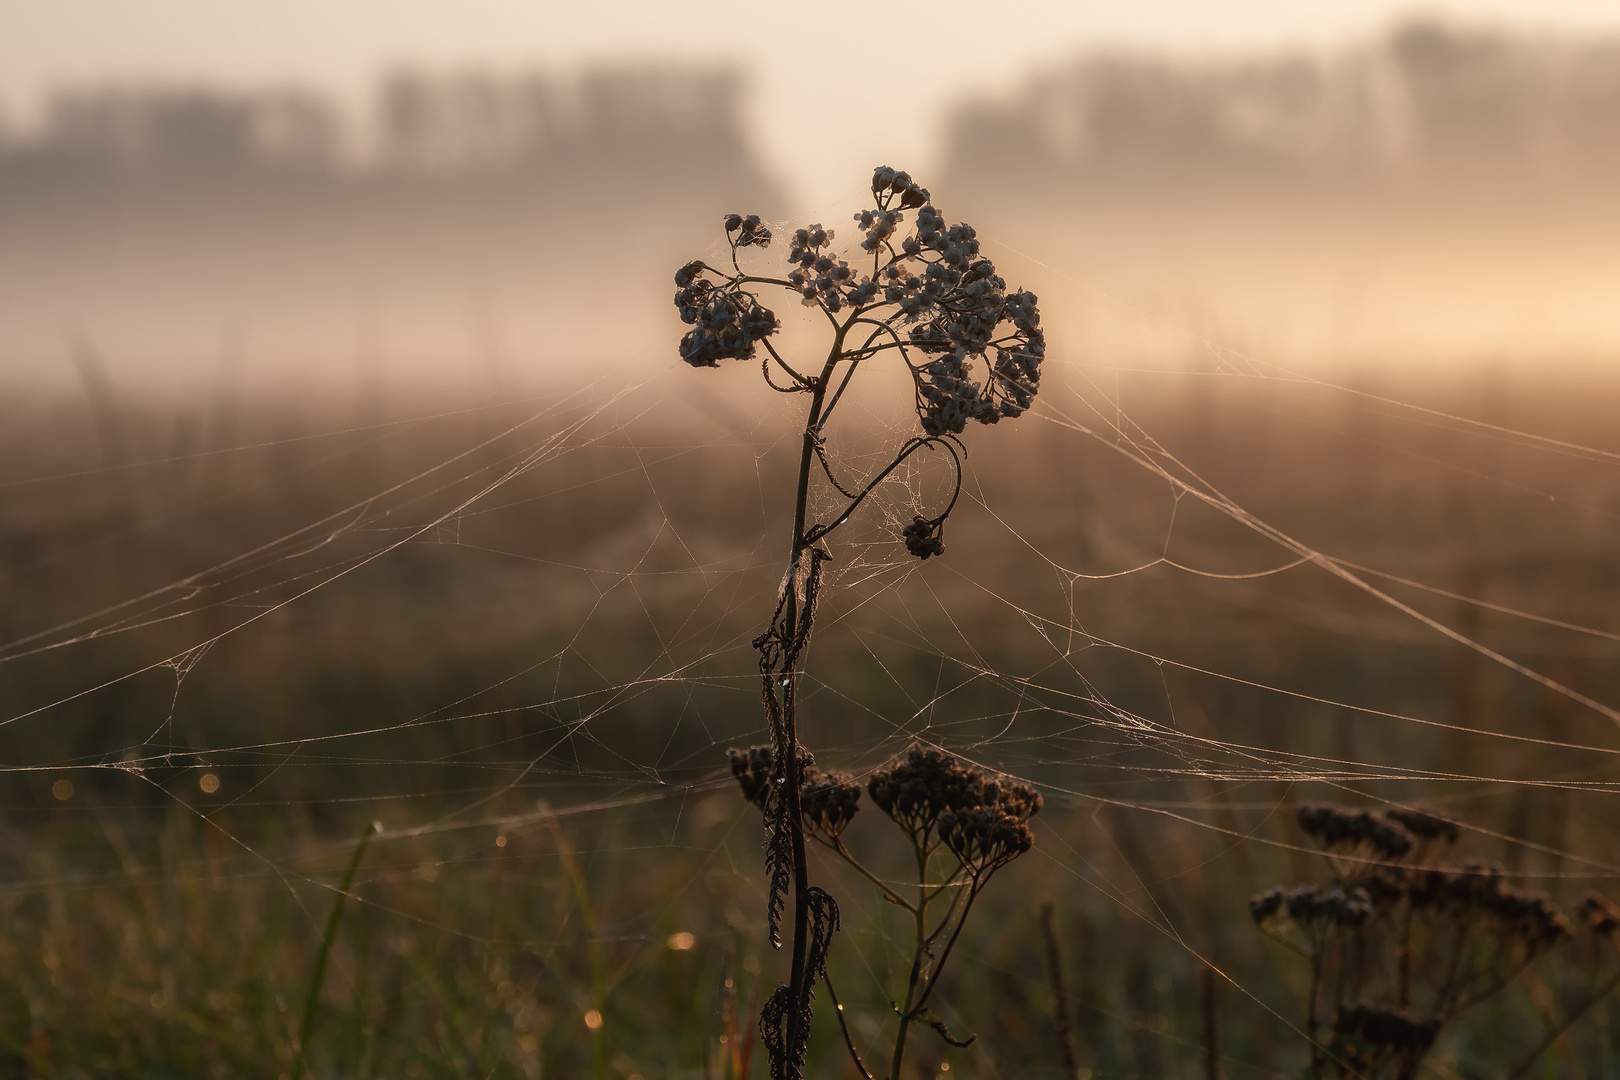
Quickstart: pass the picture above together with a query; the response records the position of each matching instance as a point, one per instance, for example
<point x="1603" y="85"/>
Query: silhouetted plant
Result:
<point x="1398" y="945"/>
<point x="975" y="821"/>
<point x="973" y="351"/>
<point x="1596" y="963"/>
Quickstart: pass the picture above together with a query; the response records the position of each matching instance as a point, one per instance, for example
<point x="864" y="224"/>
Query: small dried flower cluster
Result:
<point x="819" y="275"/>
<point x="923" y="537"/>
<point x="1400" y="947"/>
<point x="1512" y="920"/>
<point x="1379" y="1040"/>
<point x="1354" y="832"/>
<point x="982" y="819"/>
<point x="828" y="801"/>
<point x="980" y="346"/>
<point x="1601" y="916"/>
<point x="727" y="321"/>
<point x="1320" y="913"/>
<point x="747" y="231"/>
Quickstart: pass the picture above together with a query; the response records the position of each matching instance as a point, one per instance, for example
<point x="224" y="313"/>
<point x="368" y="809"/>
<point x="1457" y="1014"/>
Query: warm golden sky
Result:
<point x="838" y="84"/>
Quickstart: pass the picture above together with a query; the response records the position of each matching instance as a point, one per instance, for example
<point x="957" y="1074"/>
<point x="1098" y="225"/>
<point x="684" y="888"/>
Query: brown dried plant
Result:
<point x="1399" y="945"/>
<point x="921" y="294"/>
<point x="962" y="825"/>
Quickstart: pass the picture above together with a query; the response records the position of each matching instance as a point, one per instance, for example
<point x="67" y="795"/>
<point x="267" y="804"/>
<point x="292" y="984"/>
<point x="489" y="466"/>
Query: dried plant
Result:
<point x="1596" y="965"/>
<point x="971" y="821"/>
<point x="1398" y="945"/>
<point x="923" y="293"/>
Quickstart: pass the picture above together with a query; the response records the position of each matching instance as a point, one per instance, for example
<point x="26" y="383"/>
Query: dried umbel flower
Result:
<point x="1600" y="915"/>
<point x="827" y="801"/>
<point x="985" y="838"/>
<point x="1509" y="918"/>
<point x="1343" y="831"/>
<point x="726" y="321"/>
<point x="974" y="349"/>
<point x="1310" y="920"/>
<point x="982" y="819"/>
<point x="923" y="537"/>
<point x="1314" y="911"/>
<point x="1425" y="827"/>
<point x="1384" y="1027"/>
<point x="916" y="789"/>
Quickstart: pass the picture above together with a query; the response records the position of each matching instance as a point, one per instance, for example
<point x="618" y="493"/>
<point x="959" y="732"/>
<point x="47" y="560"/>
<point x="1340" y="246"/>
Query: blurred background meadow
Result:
<point x="349" y="474"/>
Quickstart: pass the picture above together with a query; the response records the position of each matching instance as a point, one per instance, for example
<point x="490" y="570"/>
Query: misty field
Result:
<point x="401" y="648"/>
<point x="516" y="636"/>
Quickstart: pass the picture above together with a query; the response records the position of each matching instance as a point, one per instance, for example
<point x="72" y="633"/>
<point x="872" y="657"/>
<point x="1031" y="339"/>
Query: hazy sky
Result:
<point x="838" y="86"/>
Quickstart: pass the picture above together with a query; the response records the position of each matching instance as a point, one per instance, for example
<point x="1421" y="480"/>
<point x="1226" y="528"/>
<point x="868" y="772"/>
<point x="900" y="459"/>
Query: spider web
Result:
<point x="1179" y="602"/>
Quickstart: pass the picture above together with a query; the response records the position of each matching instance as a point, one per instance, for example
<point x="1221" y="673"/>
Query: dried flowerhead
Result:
<point x="1382" y="1040"/>
<point x="1601" y="916"/>
<point x="1516" y="923"/>
<point x="989" y="835"/>
<point x="726" y="320"/>
<point x="1309" y="920"/>
<point x="828" y="801"/>
<point x="1426" y="827"/>
<point x="922" y="537"/>
<point x="1354" y="832"/>
<point x="982" y="819"/>
<point x="974" y="349"/>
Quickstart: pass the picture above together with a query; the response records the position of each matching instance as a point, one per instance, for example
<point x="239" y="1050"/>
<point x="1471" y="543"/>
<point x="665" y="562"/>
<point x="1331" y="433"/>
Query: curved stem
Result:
<point x="910" y="447"/>
<point x="838" y="1010"/>
<point x="802" y="380"/>
<point x="945" y="954"/>
<point x="888" y="894"/>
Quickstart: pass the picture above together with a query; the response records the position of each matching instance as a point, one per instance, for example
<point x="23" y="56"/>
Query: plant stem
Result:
<point x="798" y="985"/>
<point x="1060" y="996"/>
<point x="318" y="977"/>
<point x="849" y="1042"/>
<point x="1556" y="1033"/>
<point x="920" y="918"/>
<point x="1310" y="1018"/>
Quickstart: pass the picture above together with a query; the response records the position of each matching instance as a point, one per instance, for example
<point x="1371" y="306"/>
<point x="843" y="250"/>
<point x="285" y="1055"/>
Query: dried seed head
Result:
<point x="1387" y="1028"/>
<point x="827" y="801"/>
<point x="981" y="818"/>
<point x="747" y="231"/>
<point x="1265" y="906"/>
<point x="1424" y="826"/>
<point x="1601" y="915"/>
<point x="1477" y="894"/>
<point x="923" y="538"/>
<point x="1329" y="909"/>
<point x="1343" y="831"/>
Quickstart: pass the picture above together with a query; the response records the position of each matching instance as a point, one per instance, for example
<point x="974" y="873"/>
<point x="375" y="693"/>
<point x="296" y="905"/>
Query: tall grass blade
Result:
<point x="318" y="977"/>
